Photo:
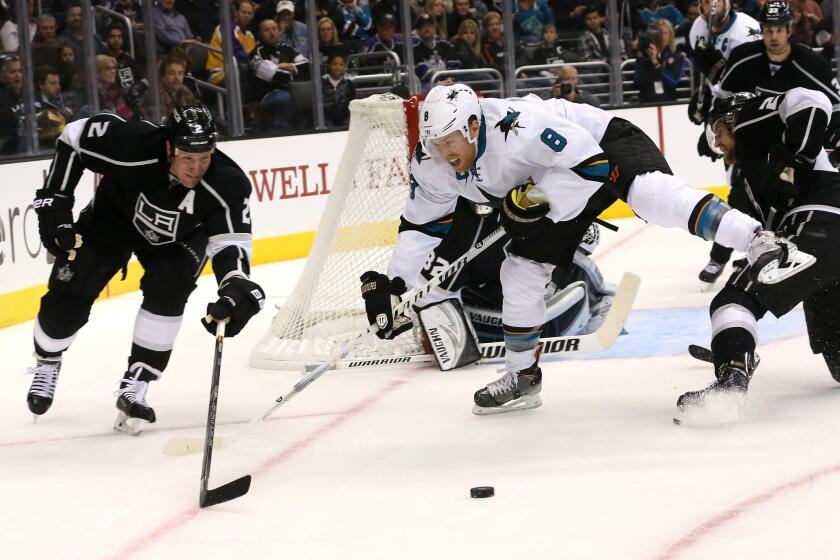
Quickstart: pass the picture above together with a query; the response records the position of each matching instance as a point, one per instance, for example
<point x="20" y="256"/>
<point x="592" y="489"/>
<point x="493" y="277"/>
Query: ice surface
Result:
<point x="378" y="464"/>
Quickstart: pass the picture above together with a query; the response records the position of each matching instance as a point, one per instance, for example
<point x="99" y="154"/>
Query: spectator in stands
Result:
<point x="566" y="87"/>
<point x="9" y="30"/>
<point x="328" y="43"/>
<point x="171" y="27"/>
<point x="11" y="81"/>
<point x="45" y="43"/>
<point x="111" y="99"/>
<point x="72" y="78"/>
<point x="49" y="89"/>
<point x="243" y="43"/>
<point x="437" y="10"/>
<point x="806" y="16"/>
<point x="432" y="53"/>
<point x="383" y="40"/>
<point x="492" y="44"/>
<point x="550" y="51"/>
<point x="653" y="11"/>
<point x="461" y="10"/>
<point x="660" y="68"/>
<point x="129" y="8"/>
<point x="338" y="92"/>
<point x="595" y="41"/>
<point x="356" y="22"/>
<point x="467" y="46"/>
<point x="692" y="12"/>
<point x="274" y="65"/>
<point x="569" y="14"/>
<point x="127" y="73"/>
<point x="529" y="17"/>
<point x="291" y="31"/>
<point x="379" y="8"/>
<point x="173" y="92"/>
<point x="74" y="34"/>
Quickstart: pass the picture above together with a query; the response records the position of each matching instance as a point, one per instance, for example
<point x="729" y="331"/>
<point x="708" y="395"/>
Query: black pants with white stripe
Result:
<point x="169" y="276"/>
<point x="815" y="232"/>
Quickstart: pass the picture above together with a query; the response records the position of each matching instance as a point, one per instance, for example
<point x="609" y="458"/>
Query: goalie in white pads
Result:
<point x="552" y="167"/>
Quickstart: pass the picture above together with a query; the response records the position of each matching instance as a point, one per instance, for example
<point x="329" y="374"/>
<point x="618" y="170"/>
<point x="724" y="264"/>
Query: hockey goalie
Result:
<point x="466" y="310"/>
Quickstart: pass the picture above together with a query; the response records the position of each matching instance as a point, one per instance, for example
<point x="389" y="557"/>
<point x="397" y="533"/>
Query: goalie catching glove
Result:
<point x="381" y="295"/>
<point x="520" y="220"/>
<point x="239" y="300"/>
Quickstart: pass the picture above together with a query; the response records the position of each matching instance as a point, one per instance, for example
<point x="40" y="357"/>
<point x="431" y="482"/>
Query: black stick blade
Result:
<point x="701" y="353"/>
<point x="226" y="492"/>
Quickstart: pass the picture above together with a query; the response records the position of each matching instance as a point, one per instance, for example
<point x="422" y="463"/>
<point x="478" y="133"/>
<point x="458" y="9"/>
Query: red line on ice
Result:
<point x="744" y="506"/>
<point x="181" y="519"/>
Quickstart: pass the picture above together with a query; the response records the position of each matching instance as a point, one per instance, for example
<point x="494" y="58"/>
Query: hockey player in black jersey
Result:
<point x="774" y="65"/>
<point x="168" y="196"/>
<point x="777" y="140"/>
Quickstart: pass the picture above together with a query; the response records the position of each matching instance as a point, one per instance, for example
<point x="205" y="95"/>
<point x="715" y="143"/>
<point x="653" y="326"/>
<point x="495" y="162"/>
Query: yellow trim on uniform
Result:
<point x="22" y="305"/>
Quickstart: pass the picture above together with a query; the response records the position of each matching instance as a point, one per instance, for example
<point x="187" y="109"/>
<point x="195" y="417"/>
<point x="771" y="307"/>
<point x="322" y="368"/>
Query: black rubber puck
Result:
<point x="482" y="492"/>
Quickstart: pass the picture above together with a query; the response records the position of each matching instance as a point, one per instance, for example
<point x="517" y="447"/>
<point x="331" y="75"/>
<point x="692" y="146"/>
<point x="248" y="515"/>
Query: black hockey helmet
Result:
<point x="775" y="12"/>
<point x="728" y="109"/>
<point x="192" y="128"/>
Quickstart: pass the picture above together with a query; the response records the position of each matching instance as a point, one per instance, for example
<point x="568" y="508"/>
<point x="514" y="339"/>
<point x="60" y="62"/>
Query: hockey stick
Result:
<point x="181" y="446"/>
<point x="598" y="341"/>
<point x="240" y="486"/>
<point x="701" y="95"/>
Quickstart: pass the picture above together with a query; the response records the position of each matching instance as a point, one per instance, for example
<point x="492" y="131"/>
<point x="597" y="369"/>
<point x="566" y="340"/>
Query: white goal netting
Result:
<point x="357" y="232"/>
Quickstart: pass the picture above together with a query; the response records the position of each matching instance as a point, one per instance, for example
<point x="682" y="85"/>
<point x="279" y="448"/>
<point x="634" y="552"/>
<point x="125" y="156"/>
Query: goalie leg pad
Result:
<point x="450" y="333"/>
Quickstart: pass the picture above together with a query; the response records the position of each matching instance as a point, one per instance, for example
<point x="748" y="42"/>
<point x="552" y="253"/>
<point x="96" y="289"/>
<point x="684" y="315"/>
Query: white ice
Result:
<point x="378" y="464"/>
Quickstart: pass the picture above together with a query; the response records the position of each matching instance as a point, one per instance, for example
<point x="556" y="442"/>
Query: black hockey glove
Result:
<point x="519" y="222"/>
<point x="239" y="300"/>
<point x="55" y="221"/>
<point x="780" y="189"/>
<point x="696" y="112"/>
<point x="704" y="149"/>
<point x="381" y="295"/>
<point x="709" y="60"/>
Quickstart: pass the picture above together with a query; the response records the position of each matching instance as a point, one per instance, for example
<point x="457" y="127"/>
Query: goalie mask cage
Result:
<point x="357" y="232"/>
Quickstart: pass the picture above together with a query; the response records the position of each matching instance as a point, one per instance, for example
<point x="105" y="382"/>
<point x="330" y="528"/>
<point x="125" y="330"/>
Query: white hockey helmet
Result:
<point x="446" y="109"/>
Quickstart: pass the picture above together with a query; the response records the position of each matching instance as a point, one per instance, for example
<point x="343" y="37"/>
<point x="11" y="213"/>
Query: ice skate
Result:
<point x="42" y="391"/>
<point x="134" y="412"/>
<point x="773" y="259"/>
<point x="722" y="401"/>
<point x="711" y="272"/>
<point x="832" y="360"/>
<point x="516" y="390"/>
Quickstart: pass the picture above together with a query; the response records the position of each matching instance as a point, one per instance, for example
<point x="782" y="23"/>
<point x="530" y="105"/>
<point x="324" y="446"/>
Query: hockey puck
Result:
<point x="482" y="492"/>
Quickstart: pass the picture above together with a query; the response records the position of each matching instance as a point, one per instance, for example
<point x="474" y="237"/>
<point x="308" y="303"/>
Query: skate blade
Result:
<point x="717" y="410"/>
<point x="522" y="403"/>
<point x="706" y="287"/>
<point x="773" y="273"/>
<point x="128" y="425"/>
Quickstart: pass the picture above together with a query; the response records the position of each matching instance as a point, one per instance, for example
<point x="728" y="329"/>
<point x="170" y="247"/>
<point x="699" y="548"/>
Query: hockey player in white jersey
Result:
<point x="711" y="45"/>
<point x="552" y="167"/>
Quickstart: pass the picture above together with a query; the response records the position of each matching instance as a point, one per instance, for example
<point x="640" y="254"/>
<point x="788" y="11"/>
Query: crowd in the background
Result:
<point x="271" y="45"/>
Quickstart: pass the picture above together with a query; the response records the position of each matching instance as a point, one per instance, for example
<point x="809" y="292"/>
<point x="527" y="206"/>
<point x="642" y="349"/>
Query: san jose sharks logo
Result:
<point x="510" y="123"/>
<point x="452" y="95"/>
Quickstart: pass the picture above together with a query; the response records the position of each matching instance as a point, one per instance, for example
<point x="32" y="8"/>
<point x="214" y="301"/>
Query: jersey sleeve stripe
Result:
<point x="827" y="90"/>
<point x="222" y="202"/>
<point x="734" y="66"/>
<point x="118" y="162"/>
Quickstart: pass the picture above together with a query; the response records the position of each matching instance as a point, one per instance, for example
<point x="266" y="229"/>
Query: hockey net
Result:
<point x="357" y="232"/>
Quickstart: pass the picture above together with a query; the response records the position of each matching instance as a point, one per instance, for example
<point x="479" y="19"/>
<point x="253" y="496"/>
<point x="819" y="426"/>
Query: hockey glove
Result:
<point x="381" y="295"/>
<point x="697" y="112"/>
<point x="239" y="300"/>
<point x="703" y="148"/>
<point x="832" y="146"/>
<point x="709" y="60"/>
<point x="55" y="221"/>
<point x="520" y="222"/>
